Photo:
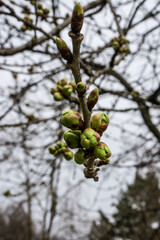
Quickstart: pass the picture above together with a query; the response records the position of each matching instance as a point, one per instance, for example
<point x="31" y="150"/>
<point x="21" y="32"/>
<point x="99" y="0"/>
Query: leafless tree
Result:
<point x="50" y="188"/>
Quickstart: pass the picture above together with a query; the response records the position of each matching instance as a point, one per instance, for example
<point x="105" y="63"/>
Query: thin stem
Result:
<point x="75" y="68"/>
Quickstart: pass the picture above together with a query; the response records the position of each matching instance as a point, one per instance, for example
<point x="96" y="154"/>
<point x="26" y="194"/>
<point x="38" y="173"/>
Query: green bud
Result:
<point x="63" y="149"/>
<point x="26" y="17"/>
<point x="68" y="155"/>
<point x="123" y="40"/>
<point x="116" y="39"/>
<point x="77" y="18"/>
<point x="54" y="90"/>
<point x="33" y="3"/>
<point x="40" y="5"/>
<point x="58" y="96"/>
<point x="15" y="75"/>
<point x="115" y="45"/>
<point x="30" y="117"/>
<point x="72" y="138"/>
<point x="124" y="49"/>
<point x="31" y="20"/>
<point x="7" y="193"/>
<point x="73" y="84"/>
<point x="60" y="144"/>
<point x="134" y="94"/>
<point x="52" y="149"/>
<point x="23" y="28"/>
<point x="89" y="138"/>
<point x="56" y="153"/>
<point x="64" y="50"/>
<point x="67" y="90"/>
<point x="46" y="11"/>
<point x="99" y="122"/>
<point x="78" y="9"/>
<point x="60" y="88"/>
<point x="102" y="151"/>
<point x="25" y="7"/>
<point x="40" y="12"/>
<point x="26" y="10"/>
<point x="92" y="98"/>
<point x="81" y="88"/>
<point x="72" y="119"/>
<point x="62" y="82"/>
<point x="79" y="156"/>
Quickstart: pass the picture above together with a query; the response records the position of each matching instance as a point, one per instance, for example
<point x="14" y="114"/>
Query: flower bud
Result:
<point x="58" y="96"/>
<point x="40" y="5"/>
<point x="33" y="3"/>
<point x="89" y="138"/>
<point x="124" y="49"/>
<point x="123" y="40"/>
<point x="54" y="90"/>
<point x="115" y="45"/>
<point x="79" y="156"/>
<point x="26" y="17"/>
<point x="30" y="117"/>
<point x="40" y="12"/>
<point x="92" y="98"/>
<point x="67" y="90"/>
<point x="23" y="28"/>
<point x="99" y="122"/>
<point x="72" y="119"/>
<point x="81" y="88"/>
<point x="77" y="18"/>
<point x="62" y="82"/>
<point x="73" y="84"/>
<point x="64" y="50"/>
<point x="134" y="94"/>
<point x="102" y="151"/>
<point x="68" y="155"/>
<point x="61" y="150"/>
<point x="60" y="88"/>
<point x="52" y="149"/>
<point x="46" y="11"/>
<point x="72" y="138"/>
<point x="60" y="144"/>
<point x="7" y="193"/>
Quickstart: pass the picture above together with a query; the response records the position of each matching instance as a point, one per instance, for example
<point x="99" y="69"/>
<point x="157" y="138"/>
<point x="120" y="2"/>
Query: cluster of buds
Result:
<point x="87" y="140"/>
<point x="61" y="148"/>
<point x="82" y="135"/>
<point x="120" y="44"/>
<point x="63" y="89"/>
<point x="29" y="20"/>
<point x="43" y="12"/>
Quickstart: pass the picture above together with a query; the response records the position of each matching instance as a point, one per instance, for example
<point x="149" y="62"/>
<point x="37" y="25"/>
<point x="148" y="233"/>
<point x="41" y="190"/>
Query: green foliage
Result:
<point x="137" y="213"/>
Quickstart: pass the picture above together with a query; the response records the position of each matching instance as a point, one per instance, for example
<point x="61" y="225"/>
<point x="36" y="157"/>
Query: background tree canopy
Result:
<point x="56" y="197"/>
<point x="137" y="213"/>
